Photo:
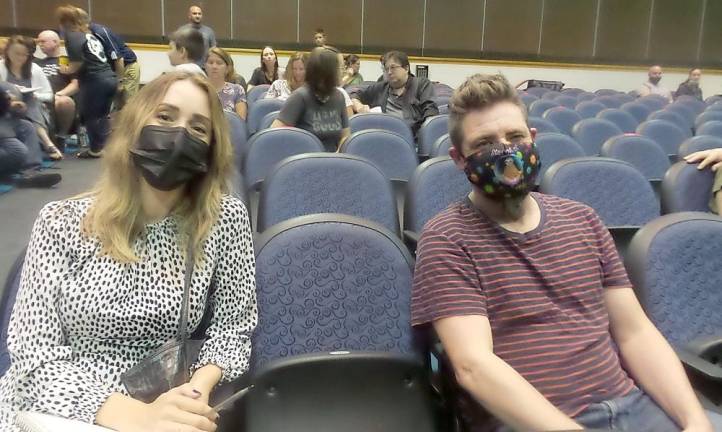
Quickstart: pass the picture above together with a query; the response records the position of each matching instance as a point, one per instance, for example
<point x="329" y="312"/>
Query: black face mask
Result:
<point x="169" y="157"/>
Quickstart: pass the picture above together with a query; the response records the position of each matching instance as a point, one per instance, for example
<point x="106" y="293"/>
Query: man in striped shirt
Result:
<point x="529" y="298"/>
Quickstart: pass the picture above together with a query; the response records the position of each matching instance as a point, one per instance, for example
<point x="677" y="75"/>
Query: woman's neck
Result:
<point x="158" y="204"/>
<point x="269" y="71"/>
<point x="16" y="70"/>
<point x="217" y="83"/>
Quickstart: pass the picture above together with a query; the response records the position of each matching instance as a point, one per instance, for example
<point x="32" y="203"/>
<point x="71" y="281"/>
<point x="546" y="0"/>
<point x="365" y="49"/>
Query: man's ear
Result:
<point x="457" y="157"/>
<point x="532" y="131"/>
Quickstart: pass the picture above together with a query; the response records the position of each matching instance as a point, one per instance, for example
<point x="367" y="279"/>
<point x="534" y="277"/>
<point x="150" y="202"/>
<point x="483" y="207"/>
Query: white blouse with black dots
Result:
<point x="81" y="319"/>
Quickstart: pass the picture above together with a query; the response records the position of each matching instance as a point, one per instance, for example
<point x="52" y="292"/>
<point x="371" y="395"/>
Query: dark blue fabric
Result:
<point x="687" y="114"/>
<point x="554" y="147"/>
<point x="113" y="44"/>
<point x="624" y="121"/>
<point x="591" y="133"/>
<point x="639" y="151"/>
<point x="256" y="93"/>
<point x="541" y="125"/>
<point x="638" y="110"/>
<point x="441" y="146"/>
<point x="10" y="291"/>
<point x="430" y="131"/>
<point x="589" y="109"/>
<point x="668" y="135"/>
<point x="13" y="155"/>
<point x="390" y="152"/>
<point x="537" y="108"/>
<point x="381" y="121"/>
<point x="96" y="98"/>
<point x="609" y="101"/>
<point x="653" y="102"/>
<point x="566" y="101"/>
<point x="673" y="118"/>
<point x="699" y="143"/>
<point x="713" y="128"/>
<point x="616" y="190"/>
<point x="258" y="109"/>
<point x="563" y="118"/>
<point x="685" y="188"/>
<point x="707" y="116"/>
<point x="331" y="286"/>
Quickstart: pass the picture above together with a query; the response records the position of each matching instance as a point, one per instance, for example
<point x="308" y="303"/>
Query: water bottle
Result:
<point x="83" y="140"/>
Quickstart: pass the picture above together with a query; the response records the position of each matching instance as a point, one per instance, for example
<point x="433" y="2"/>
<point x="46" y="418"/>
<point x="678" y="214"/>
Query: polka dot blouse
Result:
<point x="81" y="319"/>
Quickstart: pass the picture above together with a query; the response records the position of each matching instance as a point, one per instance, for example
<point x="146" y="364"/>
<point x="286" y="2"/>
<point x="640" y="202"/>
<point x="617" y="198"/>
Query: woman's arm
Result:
<point x="38" y="79"/>
<point x="242" y="109"/>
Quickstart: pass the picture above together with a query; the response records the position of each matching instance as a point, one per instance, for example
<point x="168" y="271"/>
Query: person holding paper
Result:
<point x="104" y="272"/>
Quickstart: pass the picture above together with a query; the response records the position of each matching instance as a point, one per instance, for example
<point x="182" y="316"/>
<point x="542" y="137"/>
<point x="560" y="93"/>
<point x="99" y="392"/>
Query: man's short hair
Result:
<point x="400" y="57"/>
<point x="319" y="31"/>
<point x="478" y="92"/>
<point x="192" y="40"/>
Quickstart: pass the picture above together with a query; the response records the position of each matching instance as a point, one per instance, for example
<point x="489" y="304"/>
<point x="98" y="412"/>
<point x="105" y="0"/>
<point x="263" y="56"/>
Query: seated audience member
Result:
<point x="220" y="69"/>
<point x="401" y="95"/>
<point x="691" y="86"/>
<point x="96" y="79"/>
<point x="529" y="297"/>
<point x="319" y="38"/>
<point x="18" y="68"/>
<point x="713" y="159"/>
<point x="267" y="73"/>
<point x="652" y="86"/>
<point x="122" y="58"/>
<point x="20" y="151"/>
<point x="383" y="69"/>
<point x="351" y="75"/>
<point x="195" y="22"/>
<point x="318" y="106"/>
<point x="91" y="303"/>
<point x="3" y="45"/>
<point x="64" y="86"/>
<point x="186" y="51"/>
<point x="341" y="70"/>
<point x="293" y="78"/>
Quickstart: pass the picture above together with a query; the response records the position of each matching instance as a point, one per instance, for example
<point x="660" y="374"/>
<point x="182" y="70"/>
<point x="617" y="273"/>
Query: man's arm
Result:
<point x="71" y="89"/>
<point x="651" y="361"/>
<point x="491" y="381"/>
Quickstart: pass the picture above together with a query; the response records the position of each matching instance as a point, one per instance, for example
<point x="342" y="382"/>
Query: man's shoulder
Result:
<point x="562" y="208"/>
<point x="453" y="220"/>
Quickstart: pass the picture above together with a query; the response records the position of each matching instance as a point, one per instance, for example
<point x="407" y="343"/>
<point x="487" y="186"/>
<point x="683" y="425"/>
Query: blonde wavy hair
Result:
<point x="115" y="217"/>
<point x="288" y="73"/>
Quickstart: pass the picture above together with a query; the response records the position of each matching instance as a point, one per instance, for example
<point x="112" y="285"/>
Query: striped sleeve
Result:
<point x="614" y="275"/>
<point x="445" y="281"/>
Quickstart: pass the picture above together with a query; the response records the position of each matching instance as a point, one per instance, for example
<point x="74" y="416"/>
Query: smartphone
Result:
<point x="228" y="402"/>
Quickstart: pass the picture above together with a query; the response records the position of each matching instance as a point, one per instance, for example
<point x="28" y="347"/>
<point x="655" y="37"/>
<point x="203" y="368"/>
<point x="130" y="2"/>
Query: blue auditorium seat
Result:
<point x="685" y="188"/>
<point x="528" y="99"/>
<point x="563" y="118"/>
<point x="685" y="112"/>
<point x="554" y="147"/>
<point x="432" y="128"/>
<point x="258" y="110"/>
<point x="239" y="136"/>
<point x="639" y="151"/>
<point x="624" y="121"/>
<point x="654" y="102"/>
<point x="593" y="132"/>
<point x="383" y="121"/>
<point x="691" y="102"/>
<point x="673" y="118"/>
<point x="699" y="143"/>
<point x="609" y="101"/>
<point x="637" y="110"/>
<point x="389" y="151"/>
<point x="9" y="293"/>
<point x="542" y="125"/>
<point x="589" y="109"/>
<point x="256" y="93"/>
<point x="567" y="101"/>
<point x="707" y="116"/>
<point x="441" y="146"/>
<point x="268" y="120"/>
<point x="537" y="108"/>
<point x="668" y="135"/>
<point x="712" y="128"/>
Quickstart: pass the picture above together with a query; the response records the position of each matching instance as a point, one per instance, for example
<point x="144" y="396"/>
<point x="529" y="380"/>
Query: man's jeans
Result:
<point x="635" y="412"/>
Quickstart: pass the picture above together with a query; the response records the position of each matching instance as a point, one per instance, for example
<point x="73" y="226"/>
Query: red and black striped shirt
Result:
<point x="541" y="291"/>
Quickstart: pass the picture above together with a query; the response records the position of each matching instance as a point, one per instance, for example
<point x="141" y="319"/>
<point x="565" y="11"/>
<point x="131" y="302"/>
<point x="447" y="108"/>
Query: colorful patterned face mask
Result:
<point x="504" y="171"/>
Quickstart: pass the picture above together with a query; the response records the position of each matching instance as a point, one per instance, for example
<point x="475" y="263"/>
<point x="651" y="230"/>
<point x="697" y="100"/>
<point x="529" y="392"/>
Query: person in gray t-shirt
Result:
<point x="195" y="17"/>
<point x="318" y="107"/>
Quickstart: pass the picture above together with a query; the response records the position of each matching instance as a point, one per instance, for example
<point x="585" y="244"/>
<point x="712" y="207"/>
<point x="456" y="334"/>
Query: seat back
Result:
<point x="542" y="125"/>
<point x="327" y="183"/>
<point x="685" y="188"/>
<point x="9" y="293"/>
<point x="563" y="118"/>
<point x="268" y="120"/>
<point x="691" y="102"/>
<point x="389" y="151"/>
<point x="589" y="109"/>
<point x="239" y="136"/>
<point x="673" y="118"/>
<point x="554" y="147"/>
<point x="528" y="99"/>
<point x="441" y="146"/>
<point x="551" y="95"/>
<point x="707" y="116"/>
<point x="435" y="184"/>
<point x="609" y="101"/>
<point x="432" y="128"/>
<point x="537" y="91"/>
<point x="258" y="110"/>
<point x="712" y="128"/>
<point x="606" y="92"/>
<point x="715" y="106"/>
<point x="674" y="264"/>
<point x="585" y="96"/>
<point x="382" y="121"/>
<point x="330" y="282"/>
<point x="653" y="102"/>
<point x="566" y="101"/>
<point x="640" y="152"/>
<point x="616" y="190"/>
<point x="638" y="110"/>
<point x="624" y="121"/>
<point x="537" y="108"/>
<point x="664" y="133"/>
<point x="624" y="98"/>
<point x="685" y="112"/>
<point x="270" y="146"/>
<point x="699" y="143"/>
<point x="593" y="132"/>
<point x="256" y="93"/>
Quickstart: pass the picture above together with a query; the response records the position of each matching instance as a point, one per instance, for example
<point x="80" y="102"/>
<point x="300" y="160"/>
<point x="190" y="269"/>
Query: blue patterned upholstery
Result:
<point x="684" y="111"/>
<point x="331" y="283"/>
<point x="10" y="291"/>
<point x="637" y="110"/>
<point x="715" y="106"/>
<point x="432" y="128"/>
<point x="537" y="91"/>
<point x="593" y="132"/>
<point x="712" y="100"/>
<point x="616" y="190"/>
<point x="270" y="146"/>
<point x="541" y="125"/>
<point x="537" y="108"/>
<point x="268" y="120"/>
<point x="639" y="151"/>
<point x="571" y="91"/>
<point x="609" y="101"/>
<point x="381" y="121"/>
<point x="563" y="118"/>
<point x="653" y="102"/>
<point x="566" y="101"/>
<point x="674" y="118"/>
<point x="712" y="128"/>
<point x="668" y="135"/>
<point x="699" y="143"/>
<point x="239" y="136"/>
<point x="435" y="185"/>
<point x="624" y="121"/>
<point x="258" y="110"/>
<point x="685" y="188"/>
<point x="585" y="96"/>
<point x="528" y="99"/>
<point x="256" y="93"/>
<point x="551" y="95"/>
<point x="691" y="102"/>
<point x="389" y="151"/>
<point x="624" y="98"/>
<point x="327" y="183"/>
<point x="707" y="116"/>
<point x="554" y="147"/>
<point x="589" y="109"/>
<point x="674" y="263"/>
<point x="441" y="146"/>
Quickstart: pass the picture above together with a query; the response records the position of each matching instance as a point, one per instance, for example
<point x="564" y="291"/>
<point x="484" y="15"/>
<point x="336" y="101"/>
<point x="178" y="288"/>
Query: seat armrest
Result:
<point x="698" y="364"/>
<point x="411" y="238"/>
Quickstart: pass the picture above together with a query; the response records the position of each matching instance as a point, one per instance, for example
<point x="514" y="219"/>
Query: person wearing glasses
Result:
<point x="401" y="94"/>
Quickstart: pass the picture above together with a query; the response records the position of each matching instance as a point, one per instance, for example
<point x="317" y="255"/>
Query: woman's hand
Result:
<point x="707" y="157"/>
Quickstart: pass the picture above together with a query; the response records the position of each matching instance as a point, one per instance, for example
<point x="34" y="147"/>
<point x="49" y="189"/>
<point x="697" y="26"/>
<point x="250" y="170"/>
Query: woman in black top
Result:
<point x="691" y="86"/>
<point x="267" y="73"/>
<point x="98" y="83"/>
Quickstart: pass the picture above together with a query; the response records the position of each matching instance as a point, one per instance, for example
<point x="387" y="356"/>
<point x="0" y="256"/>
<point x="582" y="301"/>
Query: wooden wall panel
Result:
<point x="712" y="33"/>
<point x="216" y="14"/>
<point x="6" y="18"/>
<point x="396" y="24"/>
<point x="145" y="20"/>
<point x="568" y="28"/>
<point x="675" y="30"/>
<point x="40" y="14"/>
<point x="453" y="27"/>
<point x="512" y="27"/>
<point x="265" y="22"/>
<point x="623" y="27"/>
<point x="340" y="19"/>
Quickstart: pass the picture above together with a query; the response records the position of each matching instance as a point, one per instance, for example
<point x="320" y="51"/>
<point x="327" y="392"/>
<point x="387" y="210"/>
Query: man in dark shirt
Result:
<point x="401" y="95"/>
<point x="64" y="86"/>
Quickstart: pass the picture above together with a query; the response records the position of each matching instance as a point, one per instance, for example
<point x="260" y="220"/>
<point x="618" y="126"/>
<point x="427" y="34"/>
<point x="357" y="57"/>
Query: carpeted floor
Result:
<point x="19" y="207"/>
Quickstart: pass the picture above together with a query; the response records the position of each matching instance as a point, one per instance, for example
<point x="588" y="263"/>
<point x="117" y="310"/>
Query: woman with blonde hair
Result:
<point x="103" y="280"/>
<point x="222" y="75"/>
<point x="293" y="77"/>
